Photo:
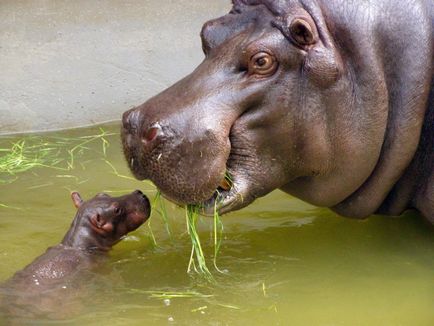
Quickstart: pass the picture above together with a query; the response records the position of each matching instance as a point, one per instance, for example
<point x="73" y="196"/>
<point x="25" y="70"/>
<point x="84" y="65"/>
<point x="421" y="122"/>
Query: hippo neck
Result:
<point x="416" y="188"/>
<point x="81" y="236"/>
<point x="407" y="102"/>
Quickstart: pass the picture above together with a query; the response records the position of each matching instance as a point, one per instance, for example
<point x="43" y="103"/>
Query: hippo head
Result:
<point x="103" y="220"/>
<point x="272" y="105"/>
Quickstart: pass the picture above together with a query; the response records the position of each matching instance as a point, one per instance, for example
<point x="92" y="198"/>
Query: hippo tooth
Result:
<point x="224" y="184"/>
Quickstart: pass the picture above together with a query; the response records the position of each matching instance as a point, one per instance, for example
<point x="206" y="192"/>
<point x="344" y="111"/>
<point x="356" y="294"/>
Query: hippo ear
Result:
<point x="76" y="199"/>
<point x="303" y="31"/>
<point x="100" y="224"/>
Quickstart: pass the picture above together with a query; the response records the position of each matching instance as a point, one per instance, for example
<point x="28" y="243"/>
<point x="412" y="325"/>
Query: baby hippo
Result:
<point x="99" y="223"/>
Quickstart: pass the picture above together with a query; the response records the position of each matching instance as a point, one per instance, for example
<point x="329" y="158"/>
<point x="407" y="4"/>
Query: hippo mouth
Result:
<point x="211" y="190"/>
<point x="227" y="196"/>
<point x="222" y="201"/>
<point x="234" y="190"/>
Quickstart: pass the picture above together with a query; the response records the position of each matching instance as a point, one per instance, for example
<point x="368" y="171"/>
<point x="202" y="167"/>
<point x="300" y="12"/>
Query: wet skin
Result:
<point x="330" y="101"/>
<point x="99" y="224"/>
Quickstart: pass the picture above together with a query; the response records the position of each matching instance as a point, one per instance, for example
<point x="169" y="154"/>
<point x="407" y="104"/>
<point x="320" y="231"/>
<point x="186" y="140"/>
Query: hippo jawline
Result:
<point x="221" y="200"/>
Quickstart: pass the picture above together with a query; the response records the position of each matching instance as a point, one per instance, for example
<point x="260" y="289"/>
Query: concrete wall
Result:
<point x="69" y="63"/>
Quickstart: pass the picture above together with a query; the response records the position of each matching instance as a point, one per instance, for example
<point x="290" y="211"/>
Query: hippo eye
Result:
<point x="262" y="63"/>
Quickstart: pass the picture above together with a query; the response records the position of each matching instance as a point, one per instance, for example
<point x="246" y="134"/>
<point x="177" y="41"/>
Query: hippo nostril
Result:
<point x="152" y="133"/>
<point x="138" y="192"/>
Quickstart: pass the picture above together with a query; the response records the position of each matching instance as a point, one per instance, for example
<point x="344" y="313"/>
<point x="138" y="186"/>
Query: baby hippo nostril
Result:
<point x="138" y="192"/>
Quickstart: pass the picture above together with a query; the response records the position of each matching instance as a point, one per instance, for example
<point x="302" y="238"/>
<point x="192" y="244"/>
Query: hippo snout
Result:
<point x="173" y="151"/>
<point x="141" y="138"/>
<point x="133" y="124"/>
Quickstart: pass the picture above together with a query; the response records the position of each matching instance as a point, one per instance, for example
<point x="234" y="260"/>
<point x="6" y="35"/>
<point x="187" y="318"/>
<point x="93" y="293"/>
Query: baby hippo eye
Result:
<point x="262" y="63"/>
<point x="117" y="210"/>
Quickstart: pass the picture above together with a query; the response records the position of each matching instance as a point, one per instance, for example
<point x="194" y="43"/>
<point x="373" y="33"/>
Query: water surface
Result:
<point x="286" y="262"/>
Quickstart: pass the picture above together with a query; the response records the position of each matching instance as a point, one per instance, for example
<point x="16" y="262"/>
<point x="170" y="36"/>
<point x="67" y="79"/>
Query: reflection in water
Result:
<point x="286" y="261"/>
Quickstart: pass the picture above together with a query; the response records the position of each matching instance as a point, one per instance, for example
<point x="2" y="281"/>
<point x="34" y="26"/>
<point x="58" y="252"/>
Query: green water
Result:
<point x="286" y="262"/>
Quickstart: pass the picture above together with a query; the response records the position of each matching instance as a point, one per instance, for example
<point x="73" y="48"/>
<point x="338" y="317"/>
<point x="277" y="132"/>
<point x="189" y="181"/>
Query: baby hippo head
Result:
<point x="104" y="220"/>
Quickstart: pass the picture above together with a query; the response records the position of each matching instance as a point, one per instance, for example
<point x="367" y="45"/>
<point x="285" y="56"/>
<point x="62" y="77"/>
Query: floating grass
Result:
<point x="9" y="207"/>
<point x="199" y="309"/>
<point x="58" y="153"/>
<point x="35" y="151"/>
<point x="170" y="294"/>
<point x="229" y="306"/>
<point x="116" y="173"/>
<point x="84" y="140"/>
<point x="176" y="294"/>
<point x="164" y="295"/>
<point x="23" y="156"/>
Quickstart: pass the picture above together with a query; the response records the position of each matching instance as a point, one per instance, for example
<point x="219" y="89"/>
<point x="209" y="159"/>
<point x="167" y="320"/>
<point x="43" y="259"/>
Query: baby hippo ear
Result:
<point x="100" y="224"/>
<point x="76" y="199"/>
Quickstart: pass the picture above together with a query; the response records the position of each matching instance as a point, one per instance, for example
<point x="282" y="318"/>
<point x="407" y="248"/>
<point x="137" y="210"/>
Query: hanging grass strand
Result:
<point x="159" y="206"/>
<point x="192" y="213"/>
<point x="218" y="233"/>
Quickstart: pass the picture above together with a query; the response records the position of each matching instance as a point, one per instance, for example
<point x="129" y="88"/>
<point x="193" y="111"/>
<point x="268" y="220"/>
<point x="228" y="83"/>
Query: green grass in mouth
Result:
<point x="197" y="262"/>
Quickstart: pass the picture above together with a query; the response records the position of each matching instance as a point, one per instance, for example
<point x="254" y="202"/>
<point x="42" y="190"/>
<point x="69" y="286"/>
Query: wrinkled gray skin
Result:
<point x="330" y="101"/>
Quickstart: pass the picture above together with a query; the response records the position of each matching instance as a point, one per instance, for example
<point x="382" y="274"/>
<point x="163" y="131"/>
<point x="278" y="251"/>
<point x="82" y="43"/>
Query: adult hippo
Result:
<point x="331" y="101"/>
